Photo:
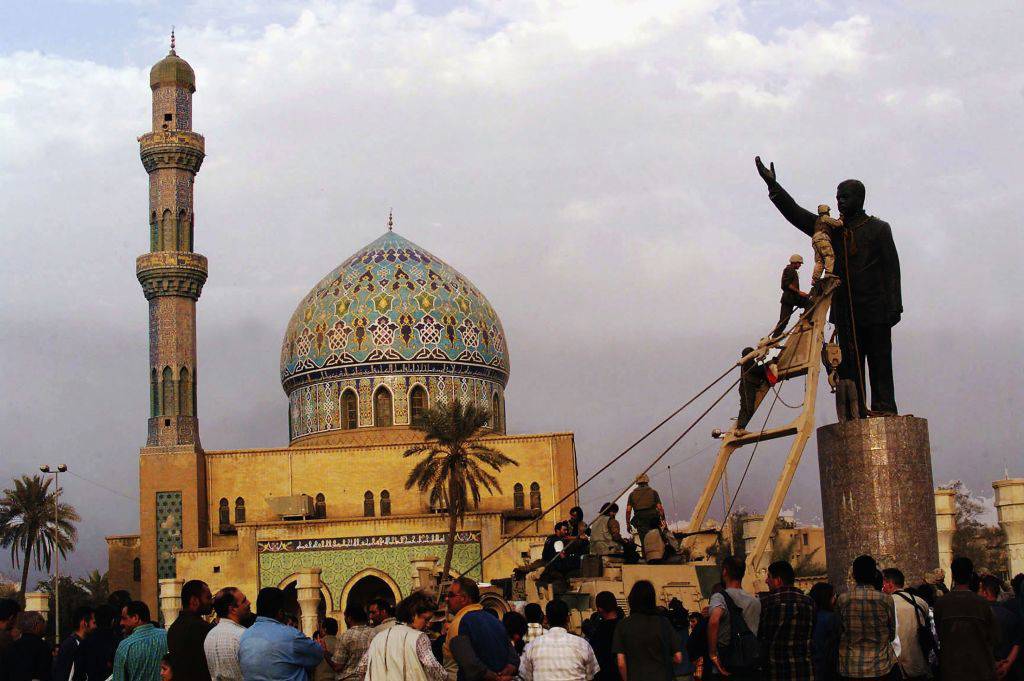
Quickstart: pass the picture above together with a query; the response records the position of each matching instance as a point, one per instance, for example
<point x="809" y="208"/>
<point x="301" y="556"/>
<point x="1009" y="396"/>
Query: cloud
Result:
<point x="588" y="165"/>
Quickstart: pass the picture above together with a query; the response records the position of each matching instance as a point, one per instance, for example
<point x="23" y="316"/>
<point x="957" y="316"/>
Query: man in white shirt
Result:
<point x="558" y="655"/>
<point x="911" y="612"/>
<point x="221" y="644"/>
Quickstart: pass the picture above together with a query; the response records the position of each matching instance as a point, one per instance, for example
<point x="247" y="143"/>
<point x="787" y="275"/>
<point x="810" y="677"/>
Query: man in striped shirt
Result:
<point x="138" y="656"/>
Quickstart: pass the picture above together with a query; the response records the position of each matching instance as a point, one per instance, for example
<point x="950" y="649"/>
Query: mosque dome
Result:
<point x="172" y="70"/>
<point x="391" y="317"/>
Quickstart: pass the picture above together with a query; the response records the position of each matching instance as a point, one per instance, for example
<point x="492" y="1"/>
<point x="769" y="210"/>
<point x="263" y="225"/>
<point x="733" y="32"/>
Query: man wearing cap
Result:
<point x="643" y="507"/>
<point x="792" y="296"/>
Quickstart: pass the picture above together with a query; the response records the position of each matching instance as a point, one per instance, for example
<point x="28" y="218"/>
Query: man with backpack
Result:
<point x="912" y="627"/>
<point x="733" y="617"/>
<point x="785" y="630"/>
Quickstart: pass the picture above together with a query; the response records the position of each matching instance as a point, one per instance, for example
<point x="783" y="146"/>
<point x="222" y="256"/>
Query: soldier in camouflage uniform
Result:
<point x="643" y="508"/>
<point x="824" y="256"/>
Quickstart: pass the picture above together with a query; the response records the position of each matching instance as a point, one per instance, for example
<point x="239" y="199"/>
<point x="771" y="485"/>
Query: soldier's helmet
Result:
<point x="796" y="258"/>
<point x="823" y="209"/>
<point x="642" y="479"/>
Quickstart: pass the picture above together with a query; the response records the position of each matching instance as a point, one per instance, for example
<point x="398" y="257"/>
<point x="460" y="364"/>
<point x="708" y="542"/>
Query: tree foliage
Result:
<point x="455" y="463"/>
<point x="32" y="527"/>
<point x="984" y="544"/>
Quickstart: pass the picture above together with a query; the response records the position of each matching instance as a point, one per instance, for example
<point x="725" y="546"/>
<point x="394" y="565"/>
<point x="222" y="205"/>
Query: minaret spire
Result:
<point x="391" y="219"/>
<point x="172" y="41"/>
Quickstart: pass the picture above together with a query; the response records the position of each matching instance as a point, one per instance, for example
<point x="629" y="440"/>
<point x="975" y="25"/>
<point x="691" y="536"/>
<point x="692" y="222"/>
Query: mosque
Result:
<point x="388" y="333"/>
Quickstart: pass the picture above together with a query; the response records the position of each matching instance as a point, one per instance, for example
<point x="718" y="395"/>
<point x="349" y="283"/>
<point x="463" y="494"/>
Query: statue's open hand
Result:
<point x="767" y="174"/>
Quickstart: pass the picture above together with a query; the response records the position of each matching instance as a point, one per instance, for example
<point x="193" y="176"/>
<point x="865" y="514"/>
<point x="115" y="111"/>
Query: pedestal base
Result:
<point x="877" y="496"/>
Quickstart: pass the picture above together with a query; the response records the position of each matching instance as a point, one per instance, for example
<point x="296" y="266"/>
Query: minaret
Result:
<point x="172" y="470"/>
<point x="171" y="274"/>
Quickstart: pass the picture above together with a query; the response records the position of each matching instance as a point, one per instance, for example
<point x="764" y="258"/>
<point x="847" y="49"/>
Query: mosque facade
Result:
<point x="392" y="331"/>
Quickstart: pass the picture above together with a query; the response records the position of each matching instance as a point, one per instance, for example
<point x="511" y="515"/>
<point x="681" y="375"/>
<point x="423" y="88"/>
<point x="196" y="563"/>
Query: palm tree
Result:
<point x="453" y="468"/>
<point x="29" y="528"/>
<point x="97" y="586"/>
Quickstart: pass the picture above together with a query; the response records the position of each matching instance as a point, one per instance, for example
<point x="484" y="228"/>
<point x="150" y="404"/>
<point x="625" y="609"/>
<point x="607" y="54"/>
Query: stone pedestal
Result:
<point x="1010" y="511"/>
<point x="307" y="590"/>
<point x="877" y="495"/>
<point x="38" y="601"/>
<point x="945" y="526"/>
<point x="170" y="599"/>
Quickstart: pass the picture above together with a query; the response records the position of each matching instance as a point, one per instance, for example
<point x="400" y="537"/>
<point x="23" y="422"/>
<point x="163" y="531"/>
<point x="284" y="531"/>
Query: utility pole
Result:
<point x="61" y="468"/>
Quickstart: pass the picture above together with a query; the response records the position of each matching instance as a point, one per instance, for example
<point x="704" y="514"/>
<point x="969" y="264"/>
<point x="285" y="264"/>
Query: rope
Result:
<point x="614" y="460"/>
<point x="847" y="234"/>
<point x="778" y="396"/>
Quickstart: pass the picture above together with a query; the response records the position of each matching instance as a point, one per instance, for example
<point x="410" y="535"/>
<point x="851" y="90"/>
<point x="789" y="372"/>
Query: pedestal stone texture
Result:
<point x="877" y="495"/>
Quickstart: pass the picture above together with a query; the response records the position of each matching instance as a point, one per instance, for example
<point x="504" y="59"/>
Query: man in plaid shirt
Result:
<point x="558" y="655"/>
<point x="867" y="626"/>
<point x="787" y="618"/>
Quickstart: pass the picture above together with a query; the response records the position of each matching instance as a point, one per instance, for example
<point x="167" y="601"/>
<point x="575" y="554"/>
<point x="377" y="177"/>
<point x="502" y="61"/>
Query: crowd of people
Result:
<point x="877" y="629"/>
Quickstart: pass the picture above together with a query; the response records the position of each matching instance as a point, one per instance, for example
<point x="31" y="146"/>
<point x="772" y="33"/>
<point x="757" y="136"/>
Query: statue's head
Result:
<point x="850" y="197"/>
<point x="823" y="209"/>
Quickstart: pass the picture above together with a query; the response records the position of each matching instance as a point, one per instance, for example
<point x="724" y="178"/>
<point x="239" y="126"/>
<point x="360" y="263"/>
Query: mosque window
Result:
<point x="167" y="389"/>
<point x="224" y="516"/>
<point x="518" y="498"/>
<point x="239" y="511"/>
<point x="320" y="506"/>
<point x="349" y="410"/>
<point x="137" y="570"/>
<point x="535" y="495"/>
<point x="382" y="415"/>
<point x="168" y="117"/>
<point x="168" y="239"/>
<point x="184" y="393"/>
<point x="385" y="503"/>
<point x="154" y="234"/>
<point x="417" y="404"/>
<point x="368" y="504"/>
<point x="496" y="415"/>
<point x="154" y="394"/>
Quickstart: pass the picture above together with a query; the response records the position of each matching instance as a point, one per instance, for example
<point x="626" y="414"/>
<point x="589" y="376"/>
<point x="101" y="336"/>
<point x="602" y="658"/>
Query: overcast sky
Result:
<point x="588" y="165"/>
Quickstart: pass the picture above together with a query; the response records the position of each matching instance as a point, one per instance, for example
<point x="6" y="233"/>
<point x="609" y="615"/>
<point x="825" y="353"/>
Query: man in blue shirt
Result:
<point x="270" y="650"/>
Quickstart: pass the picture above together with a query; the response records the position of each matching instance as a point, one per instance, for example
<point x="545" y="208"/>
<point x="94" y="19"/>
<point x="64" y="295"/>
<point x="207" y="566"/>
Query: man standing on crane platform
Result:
<point x="643" y="507"/>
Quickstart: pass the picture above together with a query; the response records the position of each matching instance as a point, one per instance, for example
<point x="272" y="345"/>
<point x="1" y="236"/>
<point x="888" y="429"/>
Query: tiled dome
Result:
<point x="392" y="308"/>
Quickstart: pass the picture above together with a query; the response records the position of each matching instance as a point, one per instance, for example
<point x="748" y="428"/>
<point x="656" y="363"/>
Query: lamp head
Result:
<point x="45" y="469"/>
<point x="63" y="468"/>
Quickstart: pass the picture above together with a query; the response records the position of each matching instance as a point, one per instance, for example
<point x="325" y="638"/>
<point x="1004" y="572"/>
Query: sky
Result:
<point x="589" y="165"/>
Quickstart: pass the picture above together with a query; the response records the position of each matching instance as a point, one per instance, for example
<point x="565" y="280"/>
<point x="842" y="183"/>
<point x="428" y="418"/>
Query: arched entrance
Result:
<point x="368" y="588"/>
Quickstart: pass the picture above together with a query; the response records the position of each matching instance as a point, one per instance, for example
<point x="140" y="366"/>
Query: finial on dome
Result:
<point x="172" y="40"/>
<point x="391" y="219"/>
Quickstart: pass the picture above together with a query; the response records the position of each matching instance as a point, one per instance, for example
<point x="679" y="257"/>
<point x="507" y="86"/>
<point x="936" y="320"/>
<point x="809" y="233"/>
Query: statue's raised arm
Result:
<point x="799" y="217"/>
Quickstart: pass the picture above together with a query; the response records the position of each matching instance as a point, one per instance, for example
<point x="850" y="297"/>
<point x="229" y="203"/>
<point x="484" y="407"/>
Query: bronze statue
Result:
<point x="868" y="302"/>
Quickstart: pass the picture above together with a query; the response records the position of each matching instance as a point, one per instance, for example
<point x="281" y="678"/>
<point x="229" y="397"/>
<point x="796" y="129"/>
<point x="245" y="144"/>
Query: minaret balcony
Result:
<point x="171" y="273"/>
<point x="172" y="149"/>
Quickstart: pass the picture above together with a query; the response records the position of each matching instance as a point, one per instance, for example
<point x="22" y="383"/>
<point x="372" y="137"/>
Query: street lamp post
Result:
<point x="61" y="468"/>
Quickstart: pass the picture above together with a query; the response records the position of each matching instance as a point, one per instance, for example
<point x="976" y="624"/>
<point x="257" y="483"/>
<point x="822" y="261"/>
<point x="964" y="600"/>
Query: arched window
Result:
<point x="385" y="503"/>
<point x="168" y="238"/>
<point x="154" y="233"/>
<point x="320" y="506"/>
<point x="137" y="570"/>
<point x="184" y="393"/>
<point x="168" y="400"/>
<point x="239" y="511"/>
<point x="496" y="416"/>
<point x="534" y="495"/>
<point x="382" y="408"/>
<point x="349" y="409"/>
<point x="154" y="394"/>
<point x="224" y="516"/>
<point x="417" y="404"/>
<point x="368" y="504"/>
<point x="518" y="498"/>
